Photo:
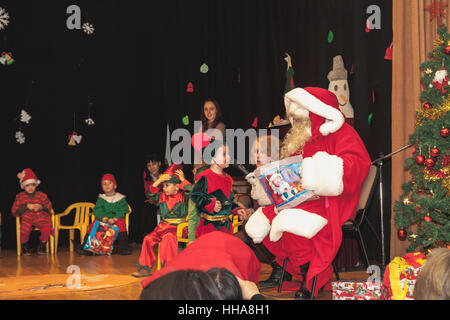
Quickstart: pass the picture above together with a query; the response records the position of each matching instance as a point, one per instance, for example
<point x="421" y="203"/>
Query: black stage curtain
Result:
<point x="136" y="67"/>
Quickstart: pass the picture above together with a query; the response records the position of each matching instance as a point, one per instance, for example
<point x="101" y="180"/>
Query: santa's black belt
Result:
<point x="221" y="219"/>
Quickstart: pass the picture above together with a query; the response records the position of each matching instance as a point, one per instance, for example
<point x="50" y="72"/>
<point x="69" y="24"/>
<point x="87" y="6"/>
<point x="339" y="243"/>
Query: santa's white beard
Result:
<point x="296" y="138"/>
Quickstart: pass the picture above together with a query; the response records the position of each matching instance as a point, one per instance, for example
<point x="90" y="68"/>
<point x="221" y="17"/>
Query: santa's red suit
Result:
<point x="335" y="164"/>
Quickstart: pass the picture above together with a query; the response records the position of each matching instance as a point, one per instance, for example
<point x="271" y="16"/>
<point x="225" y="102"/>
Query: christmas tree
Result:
<point x="422" y="214"/>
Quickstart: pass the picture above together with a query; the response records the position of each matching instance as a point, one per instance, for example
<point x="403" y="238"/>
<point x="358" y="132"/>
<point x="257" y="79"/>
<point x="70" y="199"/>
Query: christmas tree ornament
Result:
<point x="428" y="71"/>
<point x="388" y="54"/>
<point x="204" y="68"/>
<point x="420" y="159"/>
<point x="406" y="201"/>
<point x="89" y="121"/>
<point x="4" y="19"/>
<point x="6" y="58"/>
<point x="88" y="28"/>
<point x="330" y="36"/>
<point x="427" y="106"/>
<point x="429" y="163"/>
<point x="190" y="87"/>
<point x="401" y="234"/>
<point x="20" y="137"/>
<point x="74" y="139"/>
<point x="436" y="9"/>
<point x="440" y="80"/>
<point x="418" y="208"/>
<point x="185" y="120"/>
<point x="444" y="132"/>
<point x="24" y="117"/>
<point x="255" y="123"/>
<point x="447" y="49"/>
<point x="427" y="218"/>
<point x="435" y="152"/>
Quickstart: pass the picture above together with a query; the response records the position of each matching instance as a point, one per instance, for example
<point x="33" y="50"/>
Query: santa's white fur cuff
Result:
<point x="323" y="174"/>
<point x="258" y="226"/>
<point x="296" y="221"/>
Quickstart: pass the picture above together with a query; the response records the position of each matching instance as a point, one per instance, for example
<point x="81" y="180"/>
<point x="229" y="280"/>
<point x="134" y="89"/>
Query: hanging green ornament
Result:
<point x="204" y="68"/>
<point x="330" y="36"/>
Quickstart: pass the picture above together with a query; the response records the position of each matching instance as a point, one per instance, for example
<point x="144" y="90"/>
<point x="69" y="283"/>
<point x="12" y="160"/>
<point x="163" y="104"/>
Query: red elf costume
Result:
<point x="214" y="250"/>
<point x="28" y="218"/>
<point x="209" y="188"/>
<point x="173" y="212"/>
<point x="335" y="164"/>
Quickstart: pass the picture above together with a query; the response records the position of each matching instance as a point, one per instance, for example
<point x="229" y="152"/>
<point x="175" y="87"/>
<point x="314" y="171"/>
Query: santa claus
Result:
<point x="335" y="164"/>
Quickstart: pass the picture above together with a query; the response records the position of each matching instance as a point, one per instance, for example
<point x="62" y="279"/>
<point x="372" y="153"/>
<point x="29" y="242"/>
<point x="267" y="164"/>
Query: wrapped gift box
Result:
<point x="401" y="275"/>
<point x="101" y="238"/>
<point x="357" y="290"/>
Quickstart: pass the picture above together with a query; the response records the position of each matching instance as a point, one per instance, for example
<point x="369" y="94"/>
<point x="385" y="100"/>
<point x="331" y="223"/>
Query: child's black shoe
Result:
<point x="42" y="248"/>
<point x="25" y="248"/>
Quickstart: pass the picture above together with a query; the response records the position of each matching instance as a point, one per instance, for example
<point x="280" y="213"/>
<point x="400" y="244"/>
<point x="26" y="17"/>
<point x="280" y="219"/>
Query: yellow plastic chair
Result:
<point x="127" y="218"/>
<point x="81" y="222"/>
<point x="51" y="239"/>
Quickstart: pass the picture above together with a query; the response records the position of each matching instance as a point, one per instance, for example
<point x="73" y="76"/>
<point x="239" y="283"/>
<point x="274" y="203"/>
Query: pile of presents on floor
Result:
<point x="397" y="284"/>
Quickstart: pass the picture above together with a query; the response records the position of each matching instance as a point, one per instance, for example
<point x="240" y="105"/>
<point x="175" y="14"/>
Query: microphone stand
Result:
<point x="379" y="162"/>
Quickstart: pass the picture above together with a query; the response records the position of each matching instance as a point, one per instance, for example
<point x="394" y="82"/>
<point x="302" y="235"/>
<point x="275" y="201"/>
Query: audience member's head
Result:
<point x="433" y="282"/>
<point x="227" y="283"/>
<point x="182" y="285"/>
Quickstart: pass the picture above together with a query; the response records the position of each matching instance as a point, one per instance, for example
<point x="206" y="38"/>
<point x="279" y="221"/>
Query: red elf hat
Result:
<point x="109" y="177"/>
<point x="26" y="177"/>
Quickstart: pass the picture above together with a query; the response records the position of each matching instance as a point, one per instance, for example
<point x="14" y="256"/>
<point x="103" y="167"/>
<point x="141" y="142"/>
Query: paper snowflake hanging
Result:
<point x="88" y="28"/>
<point x="24" y="116"/>
<point x="4" y="18"/>
<point x="20" y="138"/>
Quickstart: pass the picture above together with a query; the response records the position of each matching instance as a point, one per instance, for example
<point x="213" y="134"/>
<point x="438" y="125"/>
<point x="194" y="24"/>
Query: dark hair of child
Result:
<point x="227" y="283"/>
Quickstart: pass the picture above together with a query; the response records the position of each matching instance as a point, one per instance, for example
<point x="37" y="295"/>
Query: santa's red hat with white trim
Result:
<point x="26" y="177"/>
<point x="320" y="105"/>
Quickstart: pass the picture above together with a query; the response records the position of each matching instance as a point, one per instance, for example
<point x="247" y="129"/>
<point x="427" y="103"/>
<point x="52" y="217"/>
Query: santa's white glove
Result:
<point x="323" y="174"/>
<point x="257" y="226"/>
<point x="296" y="221"/>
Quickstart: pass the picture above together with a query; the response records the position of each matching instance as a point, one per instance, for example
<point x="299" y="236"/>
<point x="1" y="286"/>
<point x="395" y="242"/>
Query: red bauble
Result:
<point x="427" y="106"/>
<point x="420" y="159"/>
<point x="430" y="163"/>
<point x="444" y="132"/>
<point x="435" y="152"/>
<point x="447" y="50"/>
<point x="401" y="234"/>
<point x="418" y="209"/>
<point x="428" y="219"/>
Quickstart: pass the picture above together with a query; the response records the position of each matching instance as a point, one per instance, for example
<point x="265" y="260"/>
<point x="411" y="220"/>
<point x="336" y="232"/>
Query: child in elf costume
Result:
<point x="111" y="208"/>
<point x="34" y="210"/>
<point x="172" y="202"/>
<point x="212" y="193"/>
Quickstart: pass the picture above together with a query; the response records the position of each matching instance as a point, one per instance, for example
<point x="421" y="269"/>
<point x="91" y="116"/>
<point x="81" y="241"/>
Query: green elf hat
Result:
<point x="171" y="171"/>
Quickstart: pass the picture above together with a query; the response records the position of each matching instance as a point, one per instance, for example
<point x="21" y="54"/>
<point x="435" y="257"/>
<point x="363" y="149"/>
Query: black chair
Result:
<point x="353" y="226"/>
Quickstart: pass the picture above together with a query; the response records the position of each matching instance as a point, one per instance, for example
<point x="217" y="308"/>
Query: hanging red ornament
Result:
<point x="420" y="159"/>
<point x="428" y="219"/>
<point x="447" y="50"/>
<point x="418" y="209"/>
<point x="190" y="87"/>
<point x="444" y="132"/>
<point x="435" y="152"/>
<point x="429" y="163"/>
<point x="401" y="234"/>
<point x="427" y="106"/>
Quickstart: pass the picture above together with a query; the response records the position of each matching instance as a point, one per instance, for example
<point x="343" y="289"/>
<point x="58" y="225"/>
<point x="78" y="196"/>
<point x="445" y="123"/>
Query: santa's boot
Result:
<point x="42" y="248"/>
<point x="25" y="247"/>
<point x="79" y="247"/>
<point x="303" y="293"/>
<point x="275" y="277"/>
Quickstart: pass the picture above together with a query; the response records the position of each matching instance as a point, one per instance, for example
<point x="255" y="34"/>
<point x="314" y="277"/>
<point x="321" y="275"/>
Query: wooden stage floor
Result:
<point x="13" y="267"/>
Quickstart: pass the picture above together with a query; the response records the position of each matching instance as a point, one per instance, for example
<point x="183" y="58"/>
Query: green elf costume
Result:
<point x="173" y="210"/>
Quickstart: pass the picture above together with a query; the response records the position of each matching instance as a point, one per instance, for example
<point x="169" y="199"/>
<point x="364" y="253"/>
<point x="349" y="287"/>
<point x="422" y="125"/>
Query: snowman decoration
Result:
<point x="339" y="86"/>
